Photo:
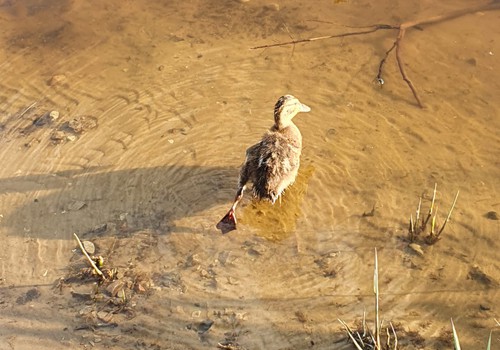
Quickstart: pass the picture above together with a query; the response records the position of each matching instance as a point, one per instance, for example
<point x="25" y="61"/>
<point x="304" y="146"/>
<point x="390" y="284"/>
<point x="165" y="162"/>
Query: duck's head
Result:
<point x="286" y="108"/>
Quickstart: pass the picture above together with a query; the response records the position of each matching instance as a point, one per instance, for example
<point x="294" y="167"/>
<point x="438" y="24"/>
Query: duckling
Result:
<point x="271" y="164"/>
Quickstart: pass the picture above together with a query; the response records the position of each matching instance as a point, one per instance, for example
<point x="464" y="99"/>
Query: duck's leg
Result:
<point x="228" y="222"/>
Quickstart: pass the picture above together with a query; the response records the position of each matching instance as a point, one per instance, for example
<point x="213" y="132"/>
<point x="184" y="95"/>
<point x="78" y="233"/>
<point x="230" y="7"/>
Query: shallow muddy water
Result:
<point x="156" y="103"/>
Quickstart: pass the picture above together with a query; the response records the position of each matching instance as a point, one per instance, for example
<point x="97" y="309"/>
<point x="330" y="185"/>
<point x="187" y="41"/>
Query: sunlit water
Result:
<point x="178" y="95"/>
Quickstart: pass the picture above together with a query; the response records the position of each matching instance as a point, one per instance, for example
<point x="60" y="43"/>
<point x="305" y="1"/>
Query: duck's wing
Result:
<point x="277" y="163"/>
<point x="247" y="172"/>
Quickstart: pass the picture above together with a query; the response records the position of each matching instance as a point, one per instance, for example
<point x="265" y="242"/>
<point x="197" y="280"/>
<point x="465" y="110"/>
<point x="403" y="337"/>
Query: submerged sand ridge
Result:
<point x="156" y="104"/>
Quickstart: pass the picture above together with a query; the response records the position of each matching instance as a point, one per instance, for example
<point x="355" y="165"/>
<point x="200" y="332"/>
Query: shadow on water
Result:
<point x="80" y="200"/>
<point x="277" y="222"/>
<point x="56" y="205"/>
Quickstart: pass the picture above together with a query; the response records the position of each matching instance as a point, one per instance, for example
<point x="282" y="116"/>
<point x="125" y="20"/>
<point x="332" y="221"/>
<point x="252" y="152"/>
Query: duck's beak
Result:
<point x="304" y="108"/>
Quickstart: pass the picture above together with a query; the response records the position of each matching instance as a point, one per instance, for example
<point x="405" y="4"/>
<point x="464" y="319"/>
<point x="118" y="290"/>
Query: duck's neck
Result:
<point x="290" y="131"/>
<point x="281" y="126"/>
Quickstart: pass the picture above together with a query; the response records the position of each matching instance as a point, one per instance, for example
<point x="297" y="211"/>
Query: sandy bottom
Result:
<point x="126" y="123"/>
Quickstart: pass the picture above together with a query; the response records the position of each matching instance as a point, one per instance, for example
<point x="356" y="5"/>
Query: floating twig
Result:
<point x="92" y="263"/>
<point x="27" y="109"/>
<point x="372" y="29"/>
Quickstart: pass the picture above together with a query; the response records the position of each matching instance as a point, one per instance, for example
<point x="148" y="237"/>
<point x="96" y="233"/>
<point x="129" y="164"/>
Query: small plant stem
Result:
<point x="364" y="322"/>
<point x="433" y="223"/>
<point x="433" y="199"/>
<point x="388" y="344"/>
<point x="411" y="229"/>
<point x="375" y="289"/>
<point x="417" y="217"/>
<point x="455" y="336"/>
<point x="96" y="269"/>
<point x="395" y="337"/>
<point x="349" y="332"/>
<point x="449" y="213"/>
<point x="431" y="209"/>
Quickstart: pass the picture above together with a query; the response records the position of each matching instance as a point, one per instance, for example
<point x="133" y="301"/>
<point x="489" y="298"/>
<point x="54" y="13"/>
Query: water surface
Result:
<point x="177" y="96"/>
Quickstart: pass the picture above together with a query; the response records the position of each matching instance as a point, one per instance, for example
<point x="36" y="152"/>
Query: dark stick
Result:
<point x="382" y="62"/>
<point x="342" y="35"/>
<point x="397" y="43"/>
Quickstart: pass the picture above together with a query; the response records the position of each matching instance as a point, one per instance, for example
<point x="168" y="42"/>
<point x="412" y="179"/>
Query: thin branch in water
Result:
<point x="382" y="62"/>
<point x="399" y="59"/>
<point x="291" y="37"/>
<point x="492" y="5"/>
<point x="27" y="109"/>
<point x="342" y="35"/>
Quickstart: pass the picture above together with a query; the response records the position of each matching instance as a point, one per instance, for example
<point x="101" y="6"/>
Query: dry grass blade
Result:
<point x="395" y="337"/>
<point x="94" y="266"/>
<point x="364" y="338"/>
<point x="411" y="229"/>
<point x="431" y="209"/>
<point x="430" y="224"/>
<point x="449" y="213"/>
<point x="455" y="336"/>
<point x="417" y="217"/>
<point x="433" y="224"/>
<point x="489" y="343"/>
<point x="388" y="344"/>
<point x="375" y="290"/>
<point x="364" y="322"/>
<point x="349" y="332"/>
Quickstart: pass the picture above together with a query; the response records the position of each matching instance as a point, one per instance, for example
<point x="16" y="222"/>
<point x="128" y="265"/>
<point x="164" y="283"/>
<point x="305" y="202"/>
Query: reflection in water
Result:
<point x="276" y="222"/>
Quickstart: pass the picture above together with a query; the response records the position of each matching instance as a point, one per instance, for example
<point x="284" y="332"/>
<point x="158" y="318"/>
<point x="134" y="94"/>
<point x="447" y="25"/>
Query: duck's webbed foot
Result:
<point x="228" y="222"/>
